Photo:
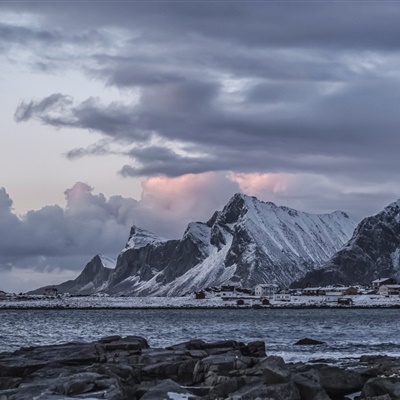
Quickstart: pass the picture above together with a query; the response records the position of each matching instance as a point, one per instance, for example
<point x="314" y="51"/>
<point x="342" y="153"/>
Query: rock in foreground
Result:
<point x="118" y="368"/>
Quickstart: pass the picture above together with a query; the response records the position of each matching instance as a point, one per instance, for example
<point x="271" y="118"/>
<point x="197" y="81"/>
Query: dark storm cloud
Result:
<point x="338" y="133"/>
<point x="29" y="109"/>
<point x="88" y="225"/>
<point x="115" y="120"/>
<point x="22" y="35"/>
<point x="355" y="24"/>
<point x="298" y="87"/>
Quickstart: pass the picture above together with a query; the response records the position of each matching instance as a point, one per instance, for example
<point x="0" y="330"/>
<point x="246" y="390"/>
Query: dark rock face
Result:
<point x="371" y="253"/>
<point x="127" y="368"/>
<point x="307" y="341"/>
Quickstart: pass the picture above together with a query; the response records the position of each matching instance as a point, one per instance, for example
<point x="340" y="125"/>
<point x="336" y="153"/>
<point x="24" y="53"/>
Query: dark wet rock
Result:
<point x="116" y="368"/>
<point x="382" y="397"/>
<point x="181" y="371"/>
<point x="272" y="360"/>
<point x="274" y="374"/>
<point x="340" y="382"/>
<point x="309" y="386"/>
<point x="218" y="364"/>
<point x="381" y="365"/>
<point x="282" y="391"/>
<point x="9" y="383"/>
<point x="382" y="386"/>
<point x="224" y="389"/>
<point x="165" y="390"/>
<point x="307" y="342"/>
<point x="256" y="349"/>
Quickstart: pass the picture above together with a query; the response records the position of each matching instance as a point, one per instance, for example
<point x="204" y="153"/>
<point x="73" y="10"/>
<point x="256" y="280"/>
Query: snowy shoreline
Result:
<point x="173" y="303"/>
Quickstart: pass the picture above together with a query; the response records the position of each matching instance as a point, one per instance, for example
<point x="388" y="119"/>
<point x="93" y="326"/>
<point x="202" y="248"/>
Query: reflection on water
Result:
<point x="347" y="333"/>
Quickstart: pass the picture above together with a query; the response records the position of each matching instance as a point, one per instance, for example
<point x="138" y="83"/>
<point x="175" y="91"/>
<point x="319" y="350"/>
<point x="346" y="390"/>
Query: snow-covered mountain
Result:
<point x="247" y="243"/>
<point x="373" y="252"/>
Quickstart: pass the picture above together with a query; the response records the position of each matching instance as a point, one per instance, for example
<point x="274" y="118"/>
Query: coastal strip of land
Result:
<point x="186" y="302"/>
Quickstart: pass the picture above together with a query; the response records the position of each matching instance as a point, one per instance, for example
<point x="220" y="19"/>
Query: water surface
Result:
<point x="347" y="332"/>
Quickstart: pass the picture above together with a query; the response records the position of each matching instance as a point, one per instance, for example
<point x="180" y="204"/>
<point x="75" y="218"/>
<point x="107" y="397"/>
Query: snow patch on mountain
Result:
<point x="107" y="261"/>
<point x="141" y="237"/>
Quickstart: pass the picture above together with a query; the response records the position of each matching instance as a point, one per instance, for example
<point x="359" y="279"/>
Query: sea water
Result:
<point x="346" y="333"/>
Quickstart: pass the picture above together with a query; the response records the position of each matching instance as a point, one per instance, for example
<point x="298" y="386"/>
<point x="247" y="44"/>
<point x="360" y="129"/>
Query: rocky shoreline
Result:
<point x="117" y="368"/>
<point x="305" y="307"/>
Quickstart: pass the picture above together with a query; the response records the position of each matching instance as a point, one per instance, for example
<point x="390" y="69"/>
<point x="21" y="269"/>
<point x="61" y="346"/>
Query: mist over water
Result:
<point x="347" y="333"/>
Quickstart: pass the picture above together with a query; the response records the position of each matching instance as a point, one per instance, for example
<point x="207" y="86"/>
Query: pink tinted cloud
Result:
<point x="263" y="185"/>
<point x="169" y="204"/>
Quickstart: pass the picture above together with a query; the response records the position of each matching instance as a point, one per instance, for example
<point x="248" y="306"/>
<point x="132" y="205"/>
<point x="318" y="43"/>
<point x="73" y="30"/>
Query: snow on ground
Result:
<point x="65" y="302"/>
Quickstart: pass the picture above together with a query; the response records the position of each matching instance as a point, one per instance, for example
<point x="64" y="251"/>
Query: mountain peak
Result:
<point x="393" y="207"/>
<point x="238" y="198"/>
<point x="107" y="262"/>
<point x="139" y="237"/>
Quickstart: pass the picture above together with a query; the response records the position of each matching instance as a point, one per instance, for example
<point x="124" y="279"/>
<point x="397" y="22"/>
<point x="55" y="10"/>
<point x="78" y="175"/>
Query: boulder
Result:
<point x="309" y="386"/>
<point x="382" y="386"/>
<point x="255" y="349"/>
<point x="179" y="371"/>
<point x="282" y="391"/>
<point x="224" y="389"/>
<point x="340" y="382"/>
<point x="308" y="342"/>
<point x="275" y="374"/>
<point x="166" y="390"/>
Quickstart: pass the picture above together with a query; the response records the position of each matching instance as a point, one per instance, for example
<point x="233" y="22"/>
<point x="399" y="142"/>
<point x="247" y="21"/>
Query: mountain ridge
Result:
<point x="372" y="252"/>
<point x="246" y="243"/>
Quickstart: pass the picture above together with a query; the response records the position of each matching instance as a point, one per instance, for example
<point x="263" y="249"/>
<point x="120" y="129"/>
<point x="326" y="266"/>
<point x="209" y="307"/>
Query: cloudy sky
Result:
<point x="157" y="112"/>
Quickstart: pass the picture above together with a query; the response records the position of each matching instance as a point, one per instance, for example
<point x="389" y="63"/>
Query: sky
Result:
<point x="155" y="113"/>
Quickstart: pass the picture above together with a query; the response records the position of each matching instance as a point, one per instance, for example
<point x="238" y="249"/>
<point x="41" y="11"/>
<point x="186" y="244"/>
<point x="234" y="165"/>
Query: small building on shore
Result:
<point x="311" y="291"/>
<point x="266" y="290"/>
<point x="282" y="297"/>
<point x="383" y="281"/>
<point x="200" y="295"/>
<point x="332" y="297"/>
<point x="389" y="290"/>
<point x="345" y="301"/>
<point x="3" y="295"/>
<point x="328" y="290"/>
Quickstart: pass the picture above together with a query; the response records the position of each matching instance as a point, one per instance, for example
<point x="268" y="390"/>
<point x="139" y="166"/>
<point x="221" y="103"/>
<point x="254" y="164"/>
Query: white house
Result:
<point x="383" y="281"/>
<point x="266" y="289"/>
<point x="389" y="290"/>
<point x="332" y="297"/>
<point x="282" y="297"/>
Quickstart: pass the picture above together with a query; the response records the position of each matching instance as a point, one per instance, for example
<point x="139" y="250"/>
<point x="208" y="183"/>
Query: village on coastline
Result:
<point x="382" y="292"/>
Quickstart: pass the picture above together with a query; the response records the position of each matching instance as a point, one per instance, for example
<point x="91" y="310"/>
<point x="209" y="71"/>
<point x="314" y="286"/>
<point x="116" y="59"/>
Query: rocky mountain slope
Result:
<point x="247" y="243"/>
<point x="371" y="253"/>
<point x="93" y="278"/>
